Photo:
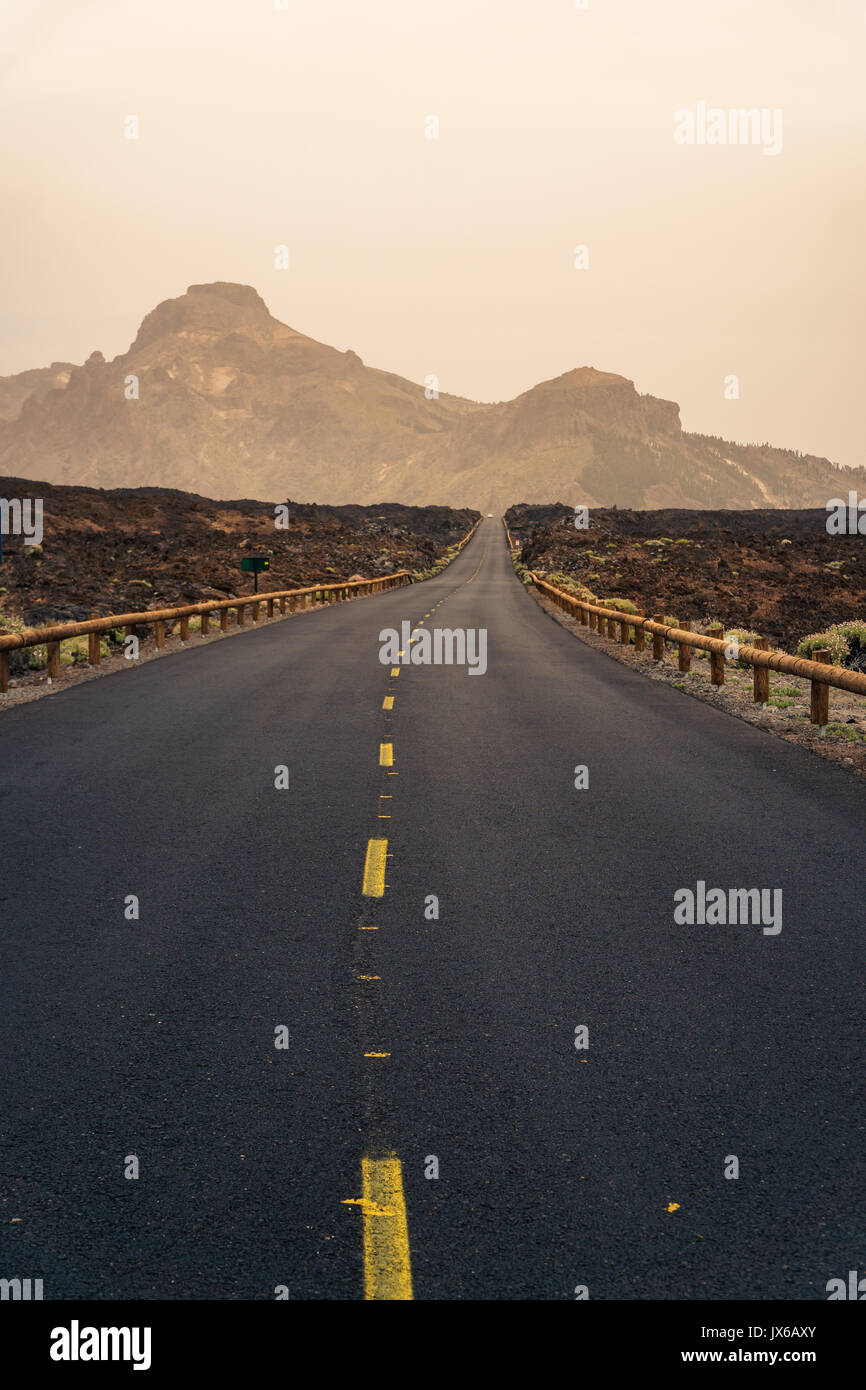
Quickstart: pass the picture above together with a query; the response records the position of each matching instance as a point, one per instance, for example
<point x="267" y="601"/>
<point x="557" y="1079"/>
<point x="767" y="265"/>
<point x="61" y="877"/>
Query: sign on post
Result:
<point x="256" y="563"/>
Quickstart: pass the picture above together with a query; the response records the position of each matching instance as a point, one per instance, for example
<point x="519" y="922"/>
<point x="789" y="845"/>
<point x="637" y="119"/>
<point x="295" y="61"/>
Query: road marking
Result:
<point x="369" y="977"/>
<point x="374" y="869"/>
<point x="388" y="702"/>
<point x="387" y="1267"/>
<point x="395" y="671"/>
<point x="377" y="1054"/>
<point x="386" y="755"/>
<point x="368" y="928"/>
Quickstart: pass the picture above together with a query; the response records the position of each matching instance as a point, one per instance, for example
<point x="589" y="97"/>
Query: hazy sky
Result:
<point x="454" y="256"/>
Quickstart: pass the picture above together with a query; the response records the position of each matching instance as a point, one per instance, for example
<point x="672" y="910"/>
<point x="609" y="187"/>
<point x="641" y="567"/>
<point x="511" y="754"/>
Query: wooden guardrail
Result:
<point x="469" y="534"/>
<point x="51" y="637"/>
<point x="513" y="544"/>
<point x="612" y="622"/>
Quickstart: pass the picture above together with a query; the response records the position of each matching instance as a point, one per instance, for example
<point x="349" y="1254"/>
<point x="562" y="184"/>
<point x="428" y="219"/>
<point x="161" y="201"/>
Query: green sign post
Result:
<point x="256" y="563"/>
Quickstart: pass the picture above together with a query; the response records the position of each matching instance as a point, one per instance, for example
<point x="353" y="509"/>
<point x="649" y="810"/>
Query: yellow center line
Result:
<point x="374" y="869"/>
<point x="387" y="1266"/>
<point x="388" y="702"/>
<point x="377" y="1054"/>
<point x="386" y="755"/>
<point x="395" y="671"/>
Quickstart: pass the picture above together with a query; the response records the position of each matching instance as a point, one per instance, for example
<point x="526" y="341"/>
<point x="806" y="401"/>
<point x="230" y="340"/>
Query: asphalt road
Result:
<point x="558" y="1167"/>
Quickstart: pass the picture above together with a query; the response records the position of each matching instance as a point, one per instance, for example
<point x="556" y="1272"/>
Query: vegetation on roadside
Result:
<point x="841" y="640"/>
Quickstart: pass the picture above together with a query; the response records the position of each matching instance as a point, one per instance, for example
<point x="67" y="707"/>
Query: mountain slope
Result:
<point x="233" y="403"/>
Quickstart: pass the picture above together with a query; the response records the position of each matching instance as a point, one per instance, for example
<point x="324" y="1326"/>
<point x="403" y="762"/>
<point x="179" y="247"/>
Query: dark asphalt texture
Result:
<point x="557" y="1167"/>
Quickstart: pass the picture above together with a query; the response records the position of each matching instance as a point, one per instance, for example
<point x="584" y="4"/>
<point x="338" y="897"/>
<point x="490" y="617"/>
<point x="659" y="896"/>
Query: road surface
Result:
<point x="411" y="1038"/>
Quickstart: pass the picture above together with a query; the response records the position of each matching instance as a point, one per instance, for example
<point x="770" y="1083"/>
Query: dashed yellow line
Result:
<point x="386" y="755"/>
<point x="377" y="1054"/>
<point x="388" y="702"/>
<point x="387" y="1264"/>
<point x="374" y="869"/>
<point x="395" y="671"/>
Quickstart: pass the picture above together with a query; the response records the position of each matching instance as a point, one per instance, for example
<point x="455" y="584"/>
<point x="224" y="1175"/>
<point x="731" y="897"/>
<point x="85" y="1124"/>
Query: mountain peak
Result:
<point x="242" y="295"/>
<point x="221" y="308"/>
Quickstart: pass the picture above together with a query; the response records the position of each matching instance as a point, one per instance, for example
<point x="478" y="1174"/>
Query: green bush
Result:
<point x="571" y="586"/>
<point x="840" y="640"/>
<point x="522" y="571"/>
<point x="845" y="731"/>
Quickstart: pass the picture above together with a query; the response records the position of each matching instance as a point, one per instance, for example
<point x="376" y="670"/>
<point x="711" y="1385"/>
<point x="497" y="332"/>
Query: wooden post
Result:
<point x="639" y="635"/>
<point x="684" y="651"/>
<point x="240" y="615"/>
<point x="53" y="649"/>
<point x="159" y="627"/>
<point x="256" y="607"/>
<point x="623" y="632"/>
<point x="283" y="604"/>
<point x="4" y="672"/>
<point x="205" y="624"/>
<point x="130" y="630"/>
<point x="94" y="652"/>
<point x="819" y="712"/>
<point x="224" y="619"/>
<point x="270" y="607"/>
<point x="658" y="639"/>
<point x="761" y="675"/>
<point x="717" y="659"/>
<point x="184" y="627"/>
